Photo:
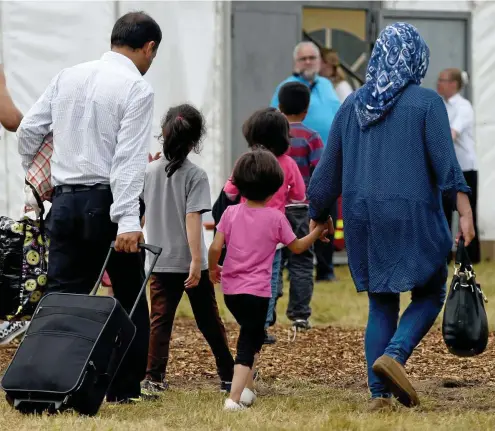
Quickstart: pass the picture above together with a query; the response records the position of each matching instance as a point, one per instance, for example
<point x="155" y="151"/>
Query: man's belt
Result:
<point x="80" y="188"/>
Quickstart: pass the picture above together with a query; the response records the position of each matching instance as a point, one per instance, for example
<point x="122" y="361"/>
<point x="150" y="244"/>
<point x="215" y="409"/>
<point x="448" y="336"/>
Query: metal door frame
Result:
<point x="278" y="7"/>
<point x="439" y="15"/>
<point x="370" y="7"/>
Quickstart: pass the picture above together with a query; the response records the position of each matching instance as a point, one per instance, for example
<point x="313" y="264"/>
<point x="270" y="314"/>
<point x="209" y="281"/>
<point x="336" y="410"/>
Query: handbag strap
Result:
<point x="462" y="260"/>
<point x="40" y="205"/>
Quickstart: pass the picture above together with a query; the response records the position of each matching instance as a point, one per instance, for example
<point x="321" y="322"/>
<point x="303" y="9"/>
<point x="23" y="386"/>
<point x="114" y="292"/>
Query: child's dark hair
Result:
<point x="182" y="131"/>
<point x="267" y="128"/>
<point x="257" y="175"/>
<point x="293" y="98"/>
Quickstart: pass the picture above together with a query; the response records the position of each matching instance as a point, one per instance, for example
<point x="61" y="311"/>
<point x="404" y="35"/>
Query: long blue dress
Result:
<point x="391" y="177"/>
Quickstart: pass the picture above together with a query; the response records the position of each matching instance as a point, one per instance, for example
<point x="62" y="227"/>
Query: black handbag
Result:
<point x="23" y="265"/>
<point x="465" y="325"/>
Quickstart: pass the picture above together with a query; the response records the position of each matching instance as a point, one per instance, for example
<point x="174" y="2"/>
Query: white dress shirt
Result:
<point x="101" y="113"/>
<point x="461" y="119"/>
<point x="343" y="90"/>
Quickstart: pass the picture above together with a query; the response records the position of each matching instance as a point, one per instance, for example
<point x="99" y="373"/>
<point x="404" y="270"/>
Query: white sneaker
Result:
<point x="12" y="331"/>
<point x="248" y="397"/>
<point x="232" y="406"/>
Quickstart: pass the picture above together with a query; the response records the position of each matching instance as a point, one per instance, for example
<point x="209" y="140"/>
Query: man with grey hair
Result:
<point x="324" y="102"/>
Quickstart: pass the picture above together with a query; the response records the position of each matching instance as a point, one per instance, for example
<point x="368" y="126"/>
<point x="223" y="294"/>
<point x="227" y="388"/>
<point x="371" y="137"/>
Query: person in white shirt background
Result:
<point x="101" y="114"/>
<point x="461" y="117"/>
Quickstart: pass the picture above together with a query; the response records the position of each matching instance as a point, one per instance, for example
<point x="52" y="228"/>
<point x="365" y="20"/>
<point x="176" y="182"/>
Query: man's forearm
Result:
<point x="28" y="144"/>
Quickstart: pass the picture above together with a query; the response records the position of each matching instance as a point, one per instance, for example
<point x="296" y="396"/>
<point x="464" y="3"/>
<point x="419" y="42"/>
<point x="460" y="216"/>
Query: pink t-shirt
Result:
<point x="251" y="236"/>
<point x="293" y="189"/>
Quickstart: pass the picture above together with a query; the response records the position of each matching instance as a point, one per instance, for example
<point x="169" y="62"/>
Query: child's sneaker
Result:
<point x="11" y="331"/>
<point x="232" y="406"/>
<point x="248" y="397"/>
<point x="301" y="325"/>
<point x="149" y="387"/>
<point x="269" y="339"/>
<point x="225" y="387"/>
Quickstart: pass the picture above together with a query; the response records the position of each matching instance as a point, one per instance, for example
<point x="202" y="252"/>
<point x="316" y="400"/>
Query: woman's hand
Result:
<point x="466" y="229"/>
<point x="466" y="224"/>
<point x="325" y="228"/>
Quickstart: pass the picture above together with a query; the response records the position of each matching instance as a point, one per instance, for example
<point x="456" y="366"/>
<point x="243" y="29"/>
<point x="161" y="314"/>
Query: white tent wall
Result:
<point x="188" y="69"/>
<point x="41" y="38"/>
<point x="483" y="80"/>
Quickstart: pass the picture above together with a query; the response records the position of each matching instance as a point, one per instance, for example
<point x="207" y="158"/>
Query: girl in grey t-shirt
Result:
<point x="176" y="193"/>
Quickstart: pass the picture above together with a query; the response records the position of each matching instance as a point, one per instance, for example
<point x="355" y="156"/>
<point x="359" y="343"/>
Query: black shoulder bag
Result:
<point x="465" y="325"/>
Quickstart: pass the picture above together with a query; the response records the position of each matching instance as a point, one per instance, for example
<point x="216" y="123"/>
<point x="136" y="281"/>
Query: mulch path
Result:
<point x="324" y="355"/>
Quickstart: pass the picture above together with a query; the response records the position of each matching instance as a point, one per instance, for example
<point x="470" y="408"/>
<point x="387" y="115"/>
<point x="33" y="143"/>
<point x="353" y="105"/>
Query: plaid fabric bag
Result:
<point x="39" y="175"/>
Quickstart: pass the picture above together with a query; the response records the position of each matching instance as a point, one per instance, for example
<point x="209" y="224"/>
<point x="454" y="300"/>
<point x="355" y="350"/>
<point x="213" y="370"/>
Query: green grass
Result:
<point x="300" y="407"/>
<point x="294" y="404"/>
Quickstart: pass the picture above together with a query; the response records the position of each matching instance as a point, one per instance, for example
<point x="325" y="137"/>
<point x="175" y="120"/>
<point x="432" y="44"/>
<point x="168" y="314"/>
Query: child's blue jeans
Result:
<point x="275" y="278"/>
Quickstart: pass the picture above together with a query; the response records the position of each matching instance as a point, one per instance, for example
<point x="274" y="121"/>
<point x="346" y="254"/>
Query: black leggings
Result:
<point x="250" y="313"/>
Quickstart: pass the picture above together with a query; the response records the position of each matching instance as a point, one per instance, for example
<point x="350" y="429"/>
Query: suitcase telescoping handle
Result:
<point x="156" y="253"/>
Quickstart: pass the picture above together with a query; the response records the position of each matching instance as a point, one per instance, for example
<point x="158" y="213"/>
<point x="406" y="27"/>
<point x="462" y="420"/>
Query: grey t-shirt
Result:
<point x="167" y="201"/>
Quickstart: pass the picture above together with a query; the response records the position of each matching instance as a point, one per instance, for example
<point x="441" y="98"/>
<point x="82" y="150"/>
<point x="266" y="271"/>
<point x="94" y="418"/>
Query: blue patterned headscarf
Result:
<point x="400" y="57"/>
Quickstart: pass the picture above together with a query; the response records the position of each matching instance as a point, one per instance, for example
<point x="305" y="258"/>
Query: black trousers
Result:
<point x="473" y="249"/>
<point x="300" y="267"/>
<point x="165" y="293"/>
<point x="80" y="234"/>
<point x="250" y="313"/>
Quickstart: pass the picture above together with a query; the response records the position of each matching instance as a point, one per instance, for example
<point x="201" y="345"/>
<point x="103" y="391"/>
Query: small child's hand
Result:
<point x="152" y="158"/>
<point x="216" y="274"/>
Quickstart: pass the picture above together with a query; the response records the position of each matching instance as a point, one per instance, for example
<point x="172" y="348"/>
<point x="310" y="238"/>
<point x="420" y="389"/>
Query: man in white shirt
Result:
<point x="101" y="113"/>
<point x="461" y="118"/>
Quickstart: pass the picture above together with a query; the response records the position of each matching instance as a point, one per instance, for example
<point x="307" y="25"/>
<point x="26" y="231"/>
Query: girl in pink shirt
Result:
<point x="251" y="230"/>
<point x="269" y="128"/>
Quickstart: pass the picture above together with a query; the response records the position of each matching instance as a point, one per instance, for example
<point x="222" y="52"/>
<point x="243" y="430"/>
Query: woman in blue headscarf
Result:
<point x="391" y="156"/>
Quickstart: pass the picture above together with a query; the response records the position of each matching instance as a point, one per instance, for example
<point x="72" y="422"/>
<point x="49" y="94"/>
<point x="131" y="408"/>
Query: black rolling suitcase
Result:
<point x="71" y="351"/>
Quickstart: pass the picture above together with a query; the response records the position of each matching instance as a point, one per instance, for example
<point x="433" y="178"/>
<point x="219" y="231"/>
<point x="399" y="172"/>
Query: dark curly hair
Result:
<point x="267" y="128"/>
<point x="257" y="175"/>
<point x="183" y="129"/>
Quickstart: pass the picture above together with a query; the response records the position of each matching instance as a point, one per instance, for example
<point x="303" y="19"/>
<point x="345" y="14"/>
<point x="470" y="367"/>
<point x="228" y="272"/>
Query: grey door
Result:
<point x="447" y="35"/>
<point x="263" y="37"/>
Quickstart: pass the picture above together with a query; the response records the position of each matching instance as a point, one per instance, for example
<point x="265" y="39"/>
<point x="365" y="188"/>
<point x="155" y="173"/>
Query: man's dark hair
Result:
<point x="257" y="175"/>
<point x="293" y="98"/>
<point x="134" y="30"/>
<point x="267" y="128"/>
